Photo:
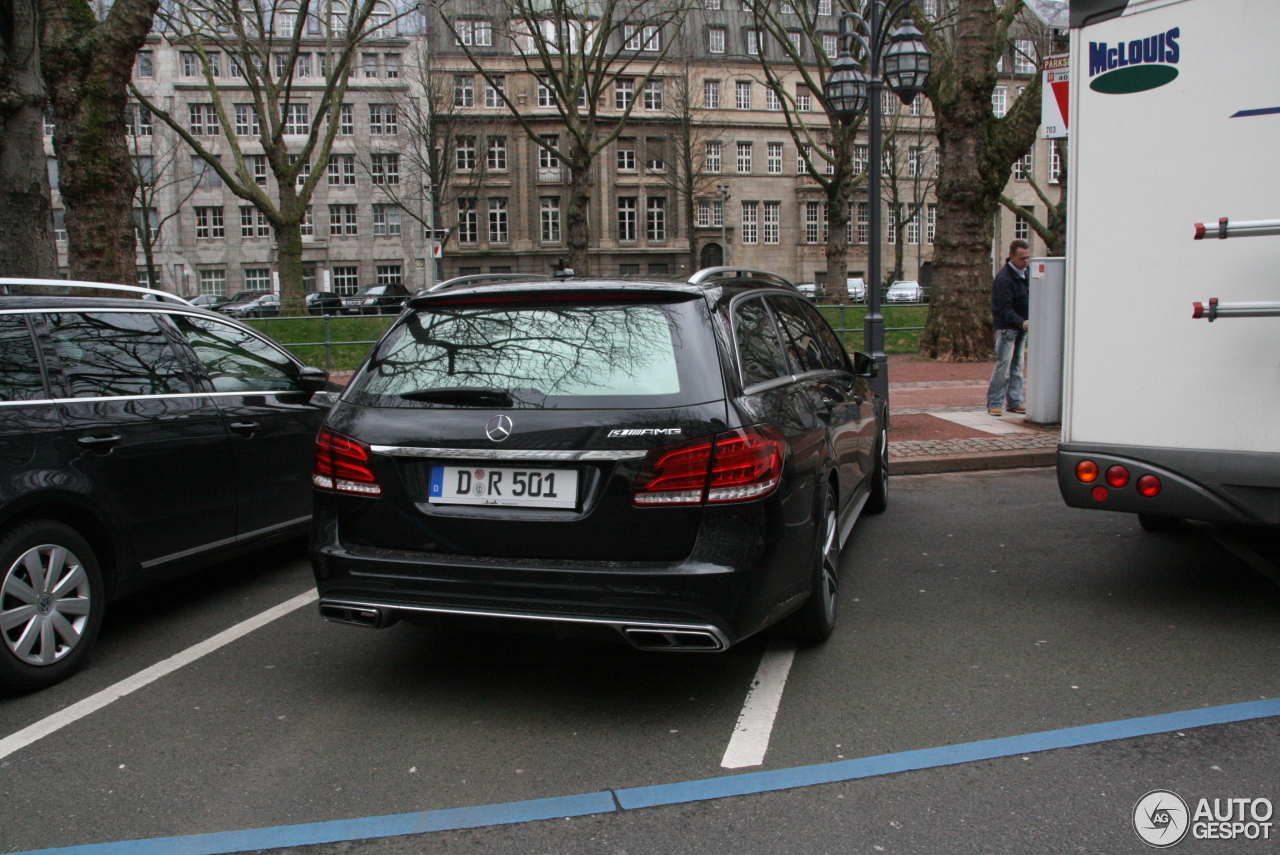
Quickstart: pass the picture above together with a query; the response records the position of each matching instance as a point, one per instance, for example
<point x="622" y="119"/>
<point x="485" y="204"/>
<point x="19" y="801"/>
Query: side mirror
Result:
<point x="313" y="379"/>
<point x="865" y="366"/>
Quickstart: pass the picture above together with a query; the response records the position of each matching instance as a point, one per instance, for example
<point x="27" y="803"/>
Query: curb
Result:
<point x="973" y="462"/>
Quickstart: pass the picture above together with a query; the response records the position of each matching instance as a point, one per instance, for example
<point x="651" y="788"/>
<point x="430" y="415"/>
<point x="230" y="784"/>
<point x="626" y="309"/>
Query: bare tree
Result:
<point x="87" y="63"/>
<point x="907" y="182"/>
<point x="976" y="152"/>
<point x="826" y="145"/>
<point x="26" y="224"/>
<point x="577" y="50"/>
<point x="261" y="41"/>
<point x="155" y="167"/>
<point x="1053" y="228"/>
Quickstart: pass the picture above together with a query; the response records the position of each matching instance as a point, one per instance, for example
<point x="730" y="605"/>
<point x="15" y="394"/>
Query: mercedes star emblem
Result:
<point x="498" y="428"/>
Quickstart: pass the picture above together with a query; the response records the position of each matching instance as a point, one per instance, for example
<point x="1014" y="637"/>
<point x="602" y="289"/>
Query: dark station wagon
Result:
<point x="677" y="463"/>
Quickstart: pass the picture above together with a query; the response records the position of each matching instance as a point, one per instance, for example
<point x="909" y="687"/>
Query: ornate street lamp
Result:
<point x="901" y="60"/>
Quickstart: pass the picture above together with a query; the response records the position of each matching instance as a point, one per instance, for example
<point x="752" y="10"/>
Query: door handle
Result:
<point x="99" y="441"/>
<point x="244" y="427"/>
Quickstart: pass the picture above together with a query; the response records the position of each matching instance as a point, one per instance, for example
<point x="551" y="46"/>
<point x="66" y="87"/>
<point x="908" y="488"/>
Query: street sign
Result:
<point x="1053" y="97"/>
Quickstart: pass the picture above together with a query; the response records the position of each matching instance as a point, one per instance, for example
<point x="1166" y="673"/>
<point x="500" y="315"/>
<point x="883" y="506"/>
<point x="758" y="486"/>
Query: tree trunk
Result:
<point x="578" y="227"/>
<point x="839" y="194"/>
<point x="26" y="222"/>
<point x="87" y="67"/>
<point x="288" y="232"/>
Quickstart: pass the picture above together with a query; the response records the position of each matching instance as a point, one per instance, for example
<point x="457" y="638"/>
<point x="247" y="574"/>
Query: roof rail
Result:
<point x="709" y="273"/>
<point x="7" y="284"/>
<point x="482" y="278"/>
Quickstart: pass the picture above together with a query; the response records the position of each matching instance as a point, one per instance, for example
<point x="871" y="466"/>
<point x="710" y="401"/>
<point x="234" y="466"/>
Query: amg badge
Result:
<point x="646" y="432"/>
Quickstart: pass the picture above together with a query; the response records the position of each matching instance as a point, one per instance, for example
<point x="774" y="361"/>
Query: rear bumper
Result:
<point x="1216" y="486"/>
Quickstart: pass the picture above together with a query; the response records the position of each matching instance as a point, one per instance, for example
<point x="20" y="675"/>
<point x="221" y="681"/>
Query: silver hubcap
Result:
<point x="44" y="604"/>
<point x="884" y="461"/>
<point x="830" y="566"/>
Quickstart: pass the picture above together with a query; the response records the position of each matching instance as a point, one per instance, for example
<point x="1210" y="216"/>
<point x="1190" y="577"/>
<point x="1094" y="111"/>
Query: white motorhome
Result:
<point x="1174" y="121"/>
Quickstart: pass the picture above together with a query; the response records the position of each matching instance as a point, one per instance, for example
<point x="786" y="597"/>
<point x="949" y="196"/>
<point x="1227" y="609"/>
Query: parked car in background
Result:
<point x="266" y="305"/>
<point x="138" y="440"/>
<point x="206" y="301"/>
<point x="673" y="463"/>
<point x="232" y="306"/>
<point x="809" y="290"/>
<point x="904" y="291"/>
<point x="324" y="303"/>
<point x="376" y="300"/>
<point x="857" y="289"/>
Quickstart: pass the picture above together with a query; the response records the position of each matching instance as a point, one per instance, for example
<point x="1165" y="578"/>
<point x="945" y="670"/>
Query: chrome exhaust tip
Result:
<point x="674" y="638"/>
<point x="369" y="618"/>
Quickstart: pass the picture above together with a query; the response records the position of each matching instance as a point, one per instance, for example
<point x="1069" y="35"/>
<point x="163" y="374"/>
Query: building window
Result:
<point x="498" y="231"/>
<point x="812" y="222"/>
<point x="468" y="221"/>
<point x="655" y="154"/>
<point x="624" y="91"/>
<point x="712" y="161"/>
<point x="750" y="218"/>
<point x="771" y="100"/>
<point x="144" y="65"/>
<point x="493" y="91"/>
<point x="772" y="222"/>
<point x="383" y="119"/>
<point x="915" y="162"/>
<point x="715" y="40"/>
<point x="1024" y="56"/>
<point x="388" y="274"/>
<point x="137" y="116"/>
<point x="803" y="153"/>
<point x="391" y="62"/>
<point x="190" y="64"/>
<point x="744" y="157"/>
<point x="653" y="95"/>
<point x="1022" y="227"/>
<point x="209" y="223"/>
<point x="753" y="42"/>
<point x="144" y="166"/>
<point x="60" y="223"/>
<point x="626" y="154"/>
<point x="370" y="63"/>
<point x="550" y="217"/>
<point x="213" y="282"/>
<point x="308" y="227"/>
<point x="1055" y="162"/>
<point x="204" y="120"/>
<point x="830" y="46"/>
<point x="656" y="218"/>
<point x="1022" y="167"/>
<point x="913" y="227"/>
<point x="548" y="161"/>
<point x="247" y="121"/>
<point x="464" y="92"/>
<point x="385" y="168"/>
<point x="546" y="98"/>
<point x="342" y="220"/>
<point x="257" y="279"/>
<point x="713" y="5"/>
<point x="891" y="228"/>
<point x="998" y="107"/>
<point x="804" y="99"/>
<point x="711" y="94"/>
<point x="496" y="153"/>
<point x="704" y="214"/>
<point x="931" y="223"/>
<point x="386" y="220"/>
<point x="744" y="94"/>
<point x="346" y="280"/>
<point x="347" y="120"/>
<point x="304" y="171"/>
<point x="342" y="170"/>
<point x="465" y="154"/>
<point x="774" y="161"/>
<point x="864" y="222"/>
<point x="253" y="223"/>
<point x="861" y="154"/>
<point x="297" y="121"/>
<point x="258" y="168"/>
<point x="717" y="212"/>
<point x="917" y="106"/>
<point x="626" y="218"/>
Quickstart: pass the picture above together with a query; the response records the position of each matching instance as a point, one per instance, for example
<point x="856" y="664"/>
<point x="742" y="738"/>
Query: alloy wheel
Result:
<point x="44" y="604"/>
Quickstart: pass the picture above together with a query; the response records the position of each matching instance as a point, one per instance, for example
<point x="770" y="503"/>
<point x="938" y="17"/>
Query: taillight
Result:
<point x="1100" y="494"/>
<point x="1087" y="471"/>
<point x="734" y="466"/>
<point x="1149" y="485"/>
<point x="342" y="465"/>
<point x="1117" y="476"/>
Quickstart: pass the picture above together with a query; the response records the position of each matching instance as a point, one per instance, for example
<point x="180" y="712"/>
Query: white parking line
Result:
<point x="750" y="738"/>
<point x="97" y="701"/>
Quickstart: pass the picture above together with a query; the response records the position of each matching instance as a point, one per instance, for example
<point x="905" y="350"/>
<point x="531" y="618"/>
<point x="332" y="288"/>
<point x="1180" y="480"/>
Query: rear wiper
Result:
<point x="476" y="396"/>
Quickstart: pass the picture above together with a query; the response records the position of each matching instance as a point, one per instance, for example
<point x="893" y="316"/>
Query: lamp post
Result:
<point x="899" y="59"/>
<point x="724" y="223"/>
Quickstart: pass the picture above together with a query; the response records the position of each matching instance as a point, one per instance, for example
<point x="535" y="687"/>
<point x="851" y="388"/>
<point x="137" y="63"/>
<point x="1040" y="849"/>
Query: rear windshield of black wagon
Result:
<point x="576" y="353"/>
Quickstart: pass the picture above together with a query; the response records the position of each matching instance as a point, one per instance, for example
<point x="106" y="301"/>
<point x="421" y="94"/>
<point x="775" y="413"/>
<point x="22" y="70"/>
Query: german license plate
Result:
<point x="524" y="488"/>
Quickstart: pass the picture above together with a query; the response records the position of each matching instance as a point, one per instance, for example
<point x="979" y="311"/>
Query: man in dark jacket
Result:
<point x="1010" y="312"/>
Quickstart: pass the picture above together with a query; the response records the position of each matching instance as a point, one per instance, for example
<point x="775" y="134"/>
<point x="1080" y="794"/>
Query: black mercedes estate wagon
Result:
<point x="675" y="462"/>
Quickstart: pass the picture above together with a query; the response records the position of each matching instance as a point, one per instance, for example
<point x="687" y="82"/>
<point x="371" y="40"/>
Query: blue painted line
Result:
<point x="1265" y="111"/>
<point x="927" y="758"/>
<point x="631" y="798"/>
<point x="351" y="829"/>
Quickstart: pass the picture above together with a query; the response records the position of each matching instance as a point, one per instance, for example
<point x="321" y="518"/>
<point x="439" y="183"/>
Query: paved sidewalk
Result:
<point x="939" y="423"/>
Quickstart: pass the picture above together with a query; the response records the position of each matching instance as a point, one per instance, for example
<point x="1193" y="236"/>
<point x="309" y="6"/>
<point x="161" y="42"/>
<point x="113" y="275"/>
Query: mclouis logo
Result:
<point x="1134" y="66"/>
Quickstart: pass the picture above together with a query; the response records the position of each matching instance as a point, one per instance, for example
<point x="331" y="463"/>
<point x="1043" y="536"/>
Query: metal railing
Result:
<point x="844" y="308"/>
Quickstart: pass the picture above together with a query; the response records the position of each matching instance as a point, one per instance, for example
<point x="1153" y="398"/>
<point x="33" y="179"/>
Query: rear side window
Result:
<point x="578" y="355"/>
<point x="798" y="337"/>
<point x="759" y="353"/>
<point x="833" y="352"/>
<point x="235" y="359"/>
<point x="19" y="369"/>
<point x="107" y="354"/>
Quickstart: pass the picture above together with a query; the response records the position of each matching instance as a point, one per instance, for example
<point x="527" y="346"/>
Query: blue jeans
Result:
<point x="1006" y="380"/>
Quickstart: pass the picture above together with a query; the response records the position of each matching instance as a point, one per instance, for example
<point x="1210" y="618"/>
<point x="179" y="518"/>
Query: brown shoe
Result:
<point x="995" y="411"/>
<point x="1018" y="409"/>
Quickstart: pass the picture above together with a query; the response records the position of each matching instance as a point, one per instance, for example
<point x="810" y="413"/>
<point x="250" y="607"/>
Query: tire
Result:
<point x="815" y="620"/>
<point x="1150" y="522"/>
<point x="47" y="628"/>
<point x="879" y="498"/>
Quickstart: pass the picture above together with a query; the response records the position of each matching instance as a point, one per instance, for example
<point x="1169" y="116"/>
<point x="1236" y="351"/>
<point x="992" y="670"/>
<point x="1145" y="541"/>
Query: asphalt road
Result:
<point x="977" y="607"/>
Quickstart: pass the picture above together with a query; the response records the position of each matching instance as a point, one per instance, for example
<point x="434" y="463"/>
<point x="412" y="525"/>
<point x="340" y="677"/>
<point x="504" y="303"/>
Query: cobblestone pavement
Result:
<point x="935" y="448"/>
